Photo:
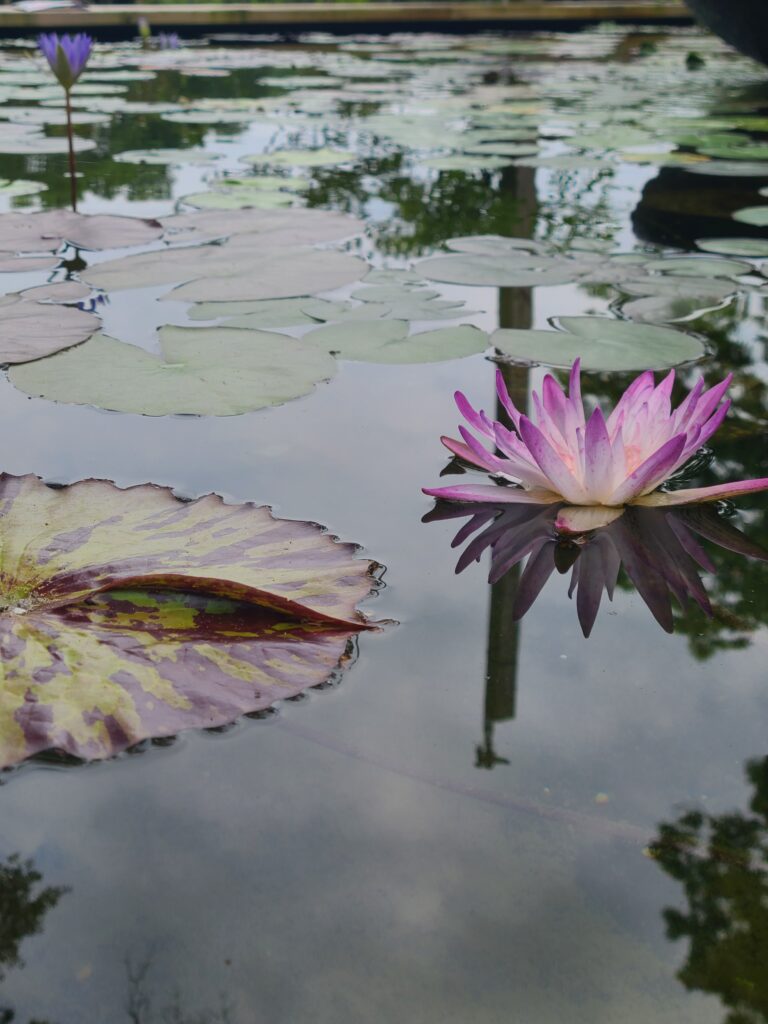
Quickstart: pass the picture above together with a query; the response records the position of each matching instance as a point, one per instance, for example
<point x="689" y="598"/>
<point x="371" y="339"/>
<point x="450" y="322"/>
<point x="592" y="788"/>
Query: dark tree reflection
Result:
<point x="24" y="902"/>
<point x="722" y="863"/>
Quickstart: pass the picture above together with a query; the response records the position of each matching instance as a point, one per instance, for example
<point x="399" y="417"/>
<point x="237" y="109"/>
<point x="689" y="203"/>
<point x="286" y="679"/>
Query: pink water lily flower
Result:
<point x="599" y="465"/>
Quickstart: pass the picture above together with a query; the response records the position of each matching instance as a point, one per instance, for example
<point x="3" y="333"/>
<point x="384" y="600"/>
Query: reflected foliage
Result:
<point x="722" y="863"/>
<point x="23" y="906"/>
<point x="659" y="551"/>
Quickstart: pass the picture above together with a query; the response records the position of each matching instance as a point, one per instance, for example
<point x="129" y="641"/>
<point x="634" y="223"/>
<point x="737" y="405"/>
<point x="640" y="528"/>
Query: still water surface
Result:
<point x="459" y="831"/>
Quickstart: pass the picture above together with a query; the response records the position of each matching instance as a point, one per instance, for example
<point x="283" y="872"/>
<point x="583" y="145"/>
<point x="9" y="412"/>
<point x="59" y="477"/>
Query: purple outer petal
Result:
<point x="494" y="493"/>
<point x="691" y="495"/>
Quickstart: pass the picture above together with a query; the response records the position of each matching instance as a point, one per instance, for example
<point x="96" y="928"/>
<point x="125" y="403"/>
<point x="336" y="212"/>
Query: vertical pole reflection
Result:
<point x="515" y="310"/>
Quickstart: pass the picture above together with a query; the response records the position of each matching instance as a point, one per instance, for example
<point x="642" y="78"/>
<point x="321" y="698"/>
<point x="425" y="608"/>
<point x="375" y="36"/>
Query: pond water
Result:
<point x="463" y="828"/>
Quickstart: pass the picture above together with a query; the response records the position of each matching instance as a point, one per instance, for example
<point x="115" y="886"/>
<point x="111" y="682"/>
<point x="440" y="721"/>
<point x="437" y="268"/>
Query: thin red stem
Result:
<point x="72" y="167"/>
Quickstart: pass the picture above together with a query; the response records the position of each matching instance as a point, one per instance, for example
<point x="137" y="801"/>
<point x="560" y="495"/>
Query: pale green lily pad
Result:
<point x="464" y="162"/>
<point x="265" y="313"/>
<point x="338" y="312"/>
<point x="388" y="341"/>
<point x="256" y="199"/>
<point x="35" y="143"/>
<point x="302" y="158"/>
<point x="21" y="187"/>
<point x="757" y="215"/>
<point x="490" y="245"/>
<point x="754" y="151"/>
<point x="501" y="149"/>
<point x="754" y="247"/>
<point x="699" y="266"/>
<point x="218" y="371"/>
<point x="564" y="162"/>
<point x="500" y="271"/>
<point x="730" y="169"/>
<point x="665" y="309"/>
<point x="208" y="116"/>
<point x="601" y="344"/>
<point x="166" y="156"/>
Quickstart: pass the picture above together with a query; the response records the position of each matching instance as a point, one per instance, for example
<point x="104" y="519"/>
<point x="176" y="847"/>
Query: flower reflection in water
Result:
<point x="659" y="549"/>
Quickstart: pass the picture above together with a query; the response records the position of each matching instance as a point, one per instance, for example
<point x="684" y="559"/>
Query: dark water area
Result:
<point x="484" y="819"/>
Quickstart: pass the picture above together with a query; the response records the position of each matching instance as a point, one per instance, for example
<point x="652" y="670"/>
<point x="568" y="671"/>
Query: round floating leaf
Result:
<point x="302" y="158"/>
<point x="730" y="169"/>
<point x="229" y="610"/>
<point x="20" y="187"/>
<point x="699" y="266"/>
<point x="491" y="245"/>
<point x="465" y="162"/>
<point x="49" y="230"/>
<point x="263" y="314"/>
<point x="754" y="247"/>
<point x="278" y="228"/>
<point x="516" y="270"/>
<point x="202" y="371"/>
<point x="241" y="199"/>
<point x="757" y="215"/>
<point x="601" y="344"/>
<point x="387" y="341"/>
<point x="27" y="264"/>
<point x="664" y="309"/>
<point x="166" y="156"/>
<point x="31" y="330"/>
<point x="59" y="291"/>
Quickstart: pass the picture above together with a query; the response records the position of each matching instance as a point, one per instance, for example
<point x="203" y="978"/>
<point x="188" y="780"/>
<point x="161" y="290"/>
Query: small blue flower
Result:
<point x="67" y="55"/>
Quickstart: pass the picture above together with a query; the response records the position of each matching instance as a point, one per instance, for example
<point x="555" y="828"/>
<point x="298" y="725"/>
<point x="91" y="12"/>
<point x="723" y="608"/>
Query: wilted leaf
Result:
<point x="131" y="614"/>
<point x="202" y="371"/>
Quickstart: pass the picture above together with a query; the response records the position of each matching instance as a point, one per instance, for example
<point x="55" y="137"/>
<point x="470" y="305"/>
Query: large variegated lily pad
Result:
<point x="601" y="344"/>
<point x="202" y="371"/>
<point x="129" y="614"/>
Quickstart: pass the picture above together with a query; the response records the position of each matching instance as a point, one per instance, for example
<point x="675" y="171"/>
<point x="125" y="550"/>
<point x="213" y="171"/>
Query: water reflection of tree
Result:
<point x="722" y="863"/>
<point x="23" y="906"/>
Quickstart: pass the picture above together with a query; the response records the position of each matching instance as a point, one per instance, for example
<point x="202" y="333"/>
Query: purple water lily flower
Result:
<point x="168" y="41"/>
<point x="597" y="466"/>
<point x="67" y="55"/>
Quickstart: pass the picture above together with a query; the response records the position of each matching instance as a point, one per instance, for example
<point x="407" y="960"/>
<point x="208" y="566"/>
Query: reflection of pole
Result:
<point x="515" y="310"/>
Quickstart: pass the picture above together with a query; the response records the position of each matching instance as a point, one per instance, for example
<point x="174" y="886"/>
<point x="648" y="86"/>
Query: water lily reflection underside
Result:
<point x="659" y="549"/>
<point x="597" y="466"/>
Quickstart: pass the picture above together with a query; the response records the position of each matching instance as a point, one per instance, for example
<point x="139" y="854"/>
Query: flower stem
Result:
<point x="72" y="168"/>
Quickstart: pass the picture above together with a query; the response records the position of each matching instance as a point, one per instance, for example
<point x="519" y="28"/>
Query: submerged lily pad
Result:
<point x="20" y="187"/>
<point x="388" y="341"/>
<point x="128" y="614"/>
<point x="601" y="344"/>
<point x="202" y="371"/>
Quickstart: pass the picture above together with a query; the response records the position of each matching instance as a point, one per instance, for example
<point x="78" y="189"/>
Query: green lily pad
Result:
<point x="513" y="270"/>
<point x="465" y="162"/>
<point x="257" y="199"/>
<point x="601" y="344"/>
<point x="665" y="309"/>
<point x="166" y="156"/>
<point x="49" y="230"/>
<point x="699" y="266"/>
<point x="302" y="158"/>
<point x="730" y="169"/>
<point x="754" y="247"/>
<point x="202" y="371"/>
<point x="20" y="187"/>
<point x="757" y="215"/>
<point x="388" y="341"/>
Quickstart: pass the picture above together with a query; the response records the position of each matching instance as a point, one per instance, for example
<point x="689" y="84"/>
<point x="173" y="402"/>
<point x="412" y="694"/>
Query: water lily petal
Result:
<point x="692" y="495"/>
<point x="550" y="463"/>
<point x="651" y="472"/>
<point x="492" y="492"/>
